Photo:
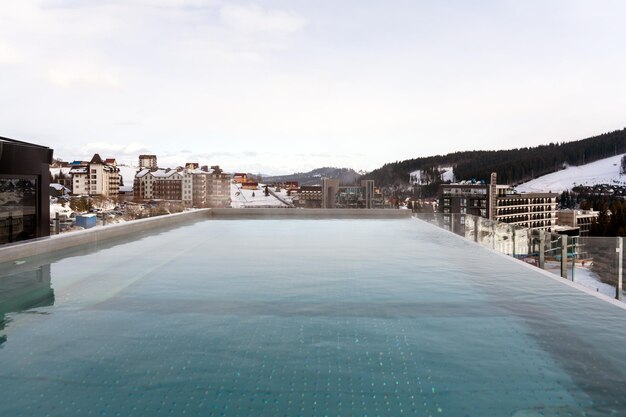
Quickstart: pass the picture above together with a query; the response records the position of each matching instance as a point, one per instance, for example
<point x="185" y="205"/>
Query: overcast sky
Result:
<point x="283" y="86"/>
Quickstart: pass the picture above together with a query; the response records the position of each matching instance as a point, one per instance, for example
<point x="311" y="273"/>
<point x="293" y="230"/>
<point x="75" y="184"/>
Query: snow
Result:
<point x="446" y="173"/>
<point x="56" y="171"/>
<point x="243" y="198"/>
<point x="59" y="208"/>
<point x="583" y="276"/>
<point x="604" y="171"/>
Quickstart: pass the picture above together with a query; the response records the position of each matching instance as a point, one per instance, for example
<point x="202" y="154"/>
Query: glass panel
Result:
<point x="18" y="209"/>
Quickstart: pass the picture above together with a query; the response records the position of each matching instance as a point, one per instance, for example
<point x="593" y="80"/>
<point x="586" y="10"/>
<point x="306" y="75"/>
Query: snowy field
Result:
<point x="604" y="171"/>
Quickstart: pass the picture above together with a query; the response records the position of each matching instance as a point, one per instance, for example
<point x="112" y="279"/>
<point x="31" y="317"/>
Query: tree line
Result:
<point x="513" y="166"/>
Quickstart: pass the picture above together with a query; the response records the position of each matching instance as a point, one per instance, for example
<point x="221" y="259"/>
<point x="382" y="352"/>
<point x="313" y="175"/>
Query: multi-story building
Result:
<point x="159" y="184"/>
<point x="310" y="196"/>
<point x="332" y="195"/>
<point x="96" y="177"/>
<point x="24" y="190"/>
<point x="147" y="161"/>
<point x="582" y="219"/>
<point x="192" y="187"/>
<point x="499" y="202"/>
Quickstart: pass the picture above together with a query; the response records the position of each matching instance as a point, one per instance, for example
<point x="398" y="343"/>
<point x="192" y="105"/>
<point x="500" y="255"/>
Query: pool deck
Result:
<point x="54" y="243"/>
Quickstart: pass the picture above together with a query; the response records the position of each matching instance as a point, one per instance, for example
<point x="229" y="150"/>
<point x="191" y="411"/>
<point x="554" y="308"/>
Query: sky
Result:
<point x="276" y="87"/>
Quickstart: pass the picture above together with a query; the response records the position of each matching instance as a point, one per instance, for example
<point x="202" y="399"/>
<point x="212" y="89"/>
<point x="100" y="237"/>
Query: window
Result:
<point x="18" y="213"/>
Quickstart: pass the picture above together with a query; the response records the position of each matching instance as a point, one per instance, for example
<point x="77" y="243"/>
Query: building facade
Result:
<point x="191" y="187"/>
<point x="147" y="161"/>
<point x="582" y="219"/>
<point x="24" y="190"/>
<point x="500" y="203"/>
<point x="96" y="177"/>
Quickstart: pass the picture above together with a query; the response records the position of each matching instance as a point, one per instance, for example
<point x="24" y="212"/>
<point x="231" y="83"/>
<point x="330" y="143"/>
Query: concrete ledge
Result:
<point x="303" y="213"/>
<point x="92" y="236"/>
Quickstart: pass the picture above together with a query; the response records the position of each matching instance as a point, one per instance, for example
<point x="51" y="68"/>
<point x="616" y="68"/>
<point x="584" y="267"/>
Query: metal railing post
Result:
<point x="564" y="256"/>
<point x="57" y="224"/>
<point x="619" y="250"/>
<point x="542" y="249"/>
<point x="513" y="240"/>
<point x="476" y="223"/>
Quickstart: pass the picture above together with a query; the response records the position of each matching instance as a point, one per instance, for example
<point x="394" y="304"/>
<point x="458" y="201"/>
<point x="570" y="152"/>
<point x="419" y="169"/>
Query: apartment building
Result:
<point x="192" y="187"/>
<point x="499" y="202"/>
<point x="582" y="219"/>
<point x="332" y="195"/>
<point x="148" y="161"/>
<point x="158" y="184"/>
<point x="96" y="177"/>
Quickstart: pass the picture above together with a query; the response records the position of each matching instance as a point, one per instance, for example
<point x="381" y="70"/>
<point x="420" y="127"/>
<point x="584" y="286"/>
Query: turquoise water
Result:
<point x="303" y="318"/>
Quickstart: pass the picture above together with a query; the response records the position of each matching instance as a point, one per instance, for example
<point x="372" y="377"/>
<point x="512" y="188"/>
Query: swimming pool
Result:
<point x="303" y="318"/>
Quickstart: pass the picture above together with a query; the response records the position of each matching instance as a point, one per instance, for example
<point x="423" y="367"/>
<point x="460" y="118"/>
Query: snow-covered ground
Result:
<point x="244" y="198"/>
<point x="583" y="276"/>
<point x="447" y="175"/>
<point x="61" y="209"/>
<point x="604" y="171"/>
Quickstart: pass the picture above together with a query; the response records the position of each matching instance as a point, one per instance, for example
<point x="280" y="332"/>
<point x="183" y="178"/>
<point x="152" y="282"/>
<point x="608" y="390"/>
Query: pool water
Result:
<point x="303" y="318"/>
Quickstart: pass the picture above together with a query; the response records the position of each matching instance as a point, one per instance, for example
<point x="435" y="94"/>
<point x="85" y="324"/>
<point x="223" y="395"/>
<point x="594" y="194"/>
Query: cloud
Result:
<point x="110" y="150"/>
<point x="255" y="19"/>
<point x="9" y="55"/>
<point x="165" y="4"/>
<point x="79" y="75"/>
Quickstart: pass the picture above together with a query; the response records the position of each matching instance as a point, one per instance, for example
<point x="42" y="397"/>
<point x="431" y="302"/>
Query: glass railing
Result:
<point x="594" y="262"/>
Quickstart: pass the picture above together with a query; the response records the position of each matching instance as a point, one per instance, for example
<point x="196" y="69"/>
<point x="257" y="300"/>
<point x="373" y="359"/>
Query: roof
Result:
<point x="80" y="169"/>
<point x="142" y="173"/>
<point x="96" y="159"/>
<point x="19" y="142"/>
<point x="58" y="186"/>
<point x="110" y="161"/>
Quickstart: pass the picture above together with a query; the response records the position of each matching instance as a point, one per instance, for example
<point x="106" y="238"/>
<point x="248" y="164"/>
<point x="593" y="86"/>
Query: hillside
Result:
<point x="346" y="176"/>
<point x="513" y="166"/>
<point x="604" y="171"/>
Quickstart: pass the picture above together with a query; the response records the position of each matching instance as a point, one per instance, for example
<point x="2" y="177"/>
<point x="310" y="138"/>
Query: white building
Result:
<point x="192" y="187"/>
<point x="97" y="177"/>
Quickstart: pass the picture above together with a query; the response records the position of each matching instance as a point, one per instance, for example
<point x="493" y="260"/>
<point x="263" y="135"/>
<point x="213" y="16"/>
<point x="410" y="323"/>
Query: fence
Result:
<point x="595" y="262"/>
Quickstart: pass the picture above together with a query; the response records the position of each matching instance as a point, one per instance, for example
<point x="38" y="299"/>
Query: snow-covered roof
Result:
<point x="58" y="186"/>
<point x="142" y="173"/>
<point x="163" y="173"/>
<point x="78" y="170"/>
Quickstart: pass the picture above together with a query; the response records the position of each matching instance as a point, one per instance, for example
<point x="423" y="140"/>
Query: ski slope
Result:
<point x="604" y="171"/>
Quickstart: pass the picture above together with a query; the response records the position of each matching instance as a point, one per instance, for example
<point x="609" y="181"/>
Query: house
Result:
<point x="250" y="185"/>
<point x="240" y="177"/>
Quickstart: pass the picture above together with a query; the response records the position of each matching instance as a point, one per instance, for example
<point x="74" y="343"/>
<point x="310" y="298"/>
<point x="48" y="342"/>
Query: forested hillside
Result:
<point x="513" y="166"/>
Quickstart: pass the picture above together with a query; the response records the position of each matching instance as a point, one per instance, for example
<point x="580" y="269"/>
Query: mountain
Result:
<point x="604" y="171"/>
<point x="346" y="176"/>
<point x="513" y="166"/>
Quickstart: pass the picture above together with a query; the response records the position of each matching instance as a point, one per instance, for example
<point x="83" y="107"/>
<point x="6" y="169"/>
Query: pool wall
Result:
<point x="12" y="252"/>
<point x="62" y="241"/>
<point x="312" y="213"/>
